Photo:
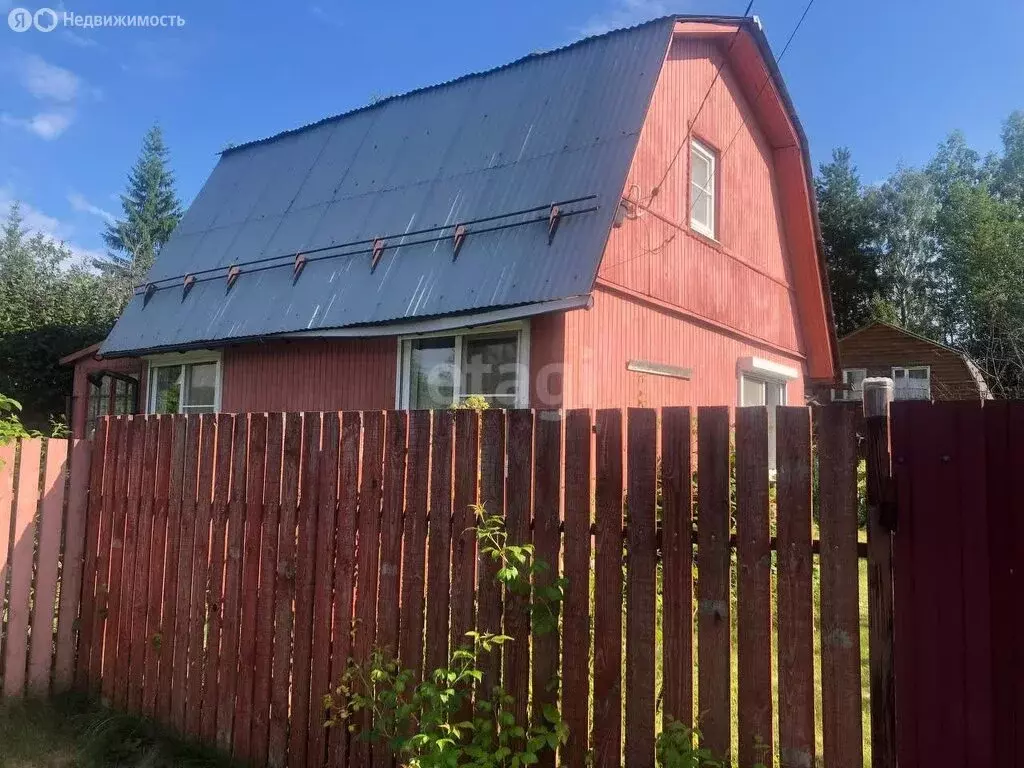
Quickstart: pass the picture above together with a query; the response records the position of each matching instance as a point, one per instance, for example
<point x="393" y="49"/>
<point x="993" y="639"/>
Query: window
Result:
<point x="110" y="394"/>
<point x="702" y="188"/>
<point x="912" y="383"/>
<point x="764" y="382"/>
<point x="440" y="371"/>
<point x="189" y="384"/>
<point x="853" y="378"/>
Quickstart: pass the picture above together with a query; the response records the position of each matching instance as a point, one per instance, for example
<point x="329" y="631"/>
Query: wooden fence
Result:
<point x="233" y="564"/>
<point x="41" y="543"/>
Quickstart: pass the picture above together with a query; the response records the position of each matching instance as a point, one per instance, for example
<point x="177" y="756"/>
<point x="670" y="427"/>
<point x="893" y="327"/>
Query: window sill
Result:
<point x="707" y="240"/>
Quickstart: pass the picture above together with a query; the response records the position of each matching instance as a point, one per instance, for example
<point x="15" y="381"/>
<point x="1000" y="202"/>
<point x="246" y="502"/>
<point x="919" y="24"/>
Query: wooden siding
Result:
<point x="743" y="281"/>
<point x="600" y="342"/>
<point x="547" y="355"/>
<point x="879" y="347"/>
<point x="310" y="375"/>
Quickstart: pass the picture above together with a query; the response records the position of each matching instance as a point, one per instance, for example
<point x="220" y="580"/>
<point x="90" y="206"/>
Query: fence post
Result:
<point x="878" y="394"/>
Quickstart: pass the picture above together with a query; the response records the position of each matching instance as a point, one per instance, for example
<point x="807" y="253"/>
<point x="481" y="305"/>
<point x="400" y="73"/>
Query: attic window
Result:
<point x="703" y="169"/>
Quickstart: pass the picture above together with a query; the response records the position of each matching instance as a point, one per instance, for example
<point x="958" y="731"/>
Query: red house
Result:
<point x="625" y="221"/>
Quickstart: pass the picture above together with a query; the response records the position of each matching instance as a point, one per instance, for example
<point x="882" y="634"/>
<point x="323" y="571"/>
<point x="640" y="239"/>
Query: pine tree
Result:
<point x="151" y="212"/>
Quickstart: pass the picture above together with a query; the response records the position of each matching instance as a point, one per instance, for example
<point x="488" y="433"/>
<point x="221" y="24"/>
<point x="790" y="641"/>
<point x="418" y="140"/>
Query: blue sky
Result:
<point x="888" y="78"/>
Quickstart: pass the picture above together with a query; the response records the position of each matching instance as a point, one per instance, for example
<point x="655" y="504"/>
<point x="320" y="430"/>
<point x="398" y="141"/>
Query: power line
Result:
<point x="693" y="122"/>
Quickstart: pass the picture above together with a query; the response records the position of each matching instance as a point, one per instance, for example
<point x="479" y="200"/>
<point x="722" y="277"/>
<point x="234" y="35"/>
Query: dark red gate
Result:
<point x="959" y="583"/>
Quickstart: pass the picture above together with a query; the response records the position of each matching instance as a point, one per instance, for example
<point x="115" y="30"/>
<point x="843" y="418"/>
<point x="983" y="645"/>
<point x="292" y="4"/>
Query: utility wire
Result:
<point x="693" y="122"/>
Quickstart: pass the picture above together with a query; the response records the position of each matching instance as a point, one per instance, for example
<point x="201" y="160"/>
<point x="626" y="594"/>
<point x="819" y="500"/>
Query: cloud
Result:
<point x="328" y="16"/>
<point x="82" y="205"/>
<point x="36" y="221"/>
<point x="623" y="13"/>
<point x="45" y="125"/>
<point x="48" y="81"/>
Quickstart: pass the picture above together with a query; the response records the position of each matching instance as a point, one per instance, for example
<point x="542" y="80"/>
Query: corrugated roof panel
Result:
<point x="549" y="128"/>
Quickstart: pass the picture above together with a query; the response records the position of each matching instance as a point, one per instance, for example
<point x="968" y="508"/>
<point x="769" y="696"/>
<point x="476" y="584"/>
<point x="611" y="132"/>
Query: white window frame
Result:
<point x="709" y="154"/>
<point x="906" y="373"/>
<point x="183" y="358"/>
<point x="403" y="380"/>
<point x="848" y="394"/>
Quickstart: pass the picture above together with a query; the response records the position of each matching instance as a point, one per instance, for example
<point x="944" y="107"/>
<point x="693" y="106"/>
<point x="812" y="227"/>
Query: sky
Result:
<point x="887" y="78"/>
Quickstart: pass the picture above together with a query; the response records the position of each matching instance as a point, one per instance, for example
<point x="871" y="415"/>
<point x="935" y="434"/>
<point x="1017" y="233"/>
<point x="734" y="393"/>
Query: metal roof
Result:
<point x="548" y="128"/>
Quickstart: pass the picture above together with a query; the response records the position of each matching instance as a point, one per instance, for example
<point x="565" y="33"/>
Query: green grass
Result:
<point x="71" y="732"/>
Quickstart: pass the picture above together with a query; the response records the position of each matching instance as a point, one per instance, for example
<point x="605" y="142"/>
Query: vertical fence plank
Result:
<point x="364" y="631"/>
<point x="255" y="476"/>
<point x="344" y="567"/>
<point x="320" y="665"/>
<point x="123" y="664"/>
<point x="607" y="739"/>
<point x="284" y="594"/>
<point x="90" y="559"/>
<point x="391" y="532"/>
<point x="264" y="627"/>
<point x="22" y="544"/>
<point x="168" y="636"/>
<point x="840" y="625"/>
<point x="492" y="497"/>
<point x="304" y="583"/>
<point x="576" y="624"/>
<point x="227" y="688"/>
<point x="467" y="428"/>
<point x="105" y="511"/>
<point x="215" y="587"/>
<point x="198" y="606"/>
<point x="119" y="507"/>
<point x="677" y="565"/>
<point x="51" y="514"/>
<point x="795" y="615"/>
<point x="713" y="567"/>
<point x="640" y="586"/>
<point x="139" y="602"/>
<point x="753" y="582"/>
<point x="519" y="505"/>
<point x="183" y="588"/>
<point x="411" y="634"/>
<point x="440" y="541"/>
<point x="8" y="456"/>
<point x="1013" y="621"/>
<point x="157" y="561"/>
<point x="75" y="536"/>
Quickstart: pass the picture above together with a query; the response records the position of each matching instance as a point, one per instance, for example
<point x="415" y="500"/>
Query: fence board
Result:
<point x="607" y="739"/>
<point x="101" y="634"/>
<point x="139" y="602"/>
<point x="284" y="594"/>
<point x="267" y="589"/>
<point x="440" y="541"/>
<point x="304" y="583"/>
<point x="327" y="500"/>
<point x="388" y="583"/>
<point x="713" y="562"/>
<point x="414" y="548"/>
<point x="185" y="573"/>
<point x="75" y="537"/>
<point x="840" y="625"/>
<point x="677" y="565"/>
<point x="8" y="453"/>
<point x="90" y="558"/>
<point x="492" y="497"/>
<point x="753" y="581"/>
<point x="255" y="476"/>
<point x="640" y="586"/>
<point x="519" y="505"/>
<point x="157" y="562"/>
<point x="1015" y="622"/>
<point x="51" y="512"/>
<point x="215" y="588"/>
<point x="198" y="607"/>
<point x="576" y="623"/>
<point x="22" y="544"/>
<point x="467" y="432"/>
<point x="123" y="662"/>
<point x="168" y="637"/>
<point x="344" y="564"/>
<point x="795" y="617"/>
<point x="113" y="687"/>
<point x="368" y="555"/>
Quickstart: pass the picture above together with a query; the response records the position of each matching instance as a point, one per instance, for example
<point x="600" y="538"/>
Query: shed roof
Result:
<point x="500" y="146"/>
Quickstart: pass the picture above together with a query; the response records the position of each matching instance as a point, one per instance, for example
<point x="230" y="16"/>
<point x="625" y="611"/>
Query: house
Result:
<point x="920" y="368"/>
<point x="547" y="234"/>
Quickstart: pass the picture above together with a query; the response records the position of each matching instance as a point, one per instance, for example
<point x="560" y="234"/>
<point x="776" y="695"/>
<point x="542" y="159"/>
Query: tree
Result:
<point x="846" y="228"/>
<point x="151" y="211"/>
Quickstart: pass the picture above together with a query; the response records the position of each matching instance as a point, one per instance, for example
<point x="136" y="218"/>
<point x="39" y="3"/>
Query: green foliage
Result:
<point x="679" y="746"/>
<point x="448" y="720"/>
<point x="11" y="427"/>
<point x="472" y="403"/>
<point x="151" y="210"/>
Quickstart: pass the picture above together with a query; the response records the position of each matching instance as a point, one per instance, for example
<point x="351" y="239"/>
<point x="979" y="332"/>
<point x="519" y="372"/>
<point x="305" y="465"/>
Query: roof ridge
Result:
<point x="482" y="73"/>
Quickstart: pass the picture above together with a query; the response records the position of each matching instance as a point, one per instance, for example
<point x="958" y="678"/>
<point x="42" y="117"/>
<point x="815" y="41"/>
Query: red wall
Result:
<point x="310" y="375"/>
